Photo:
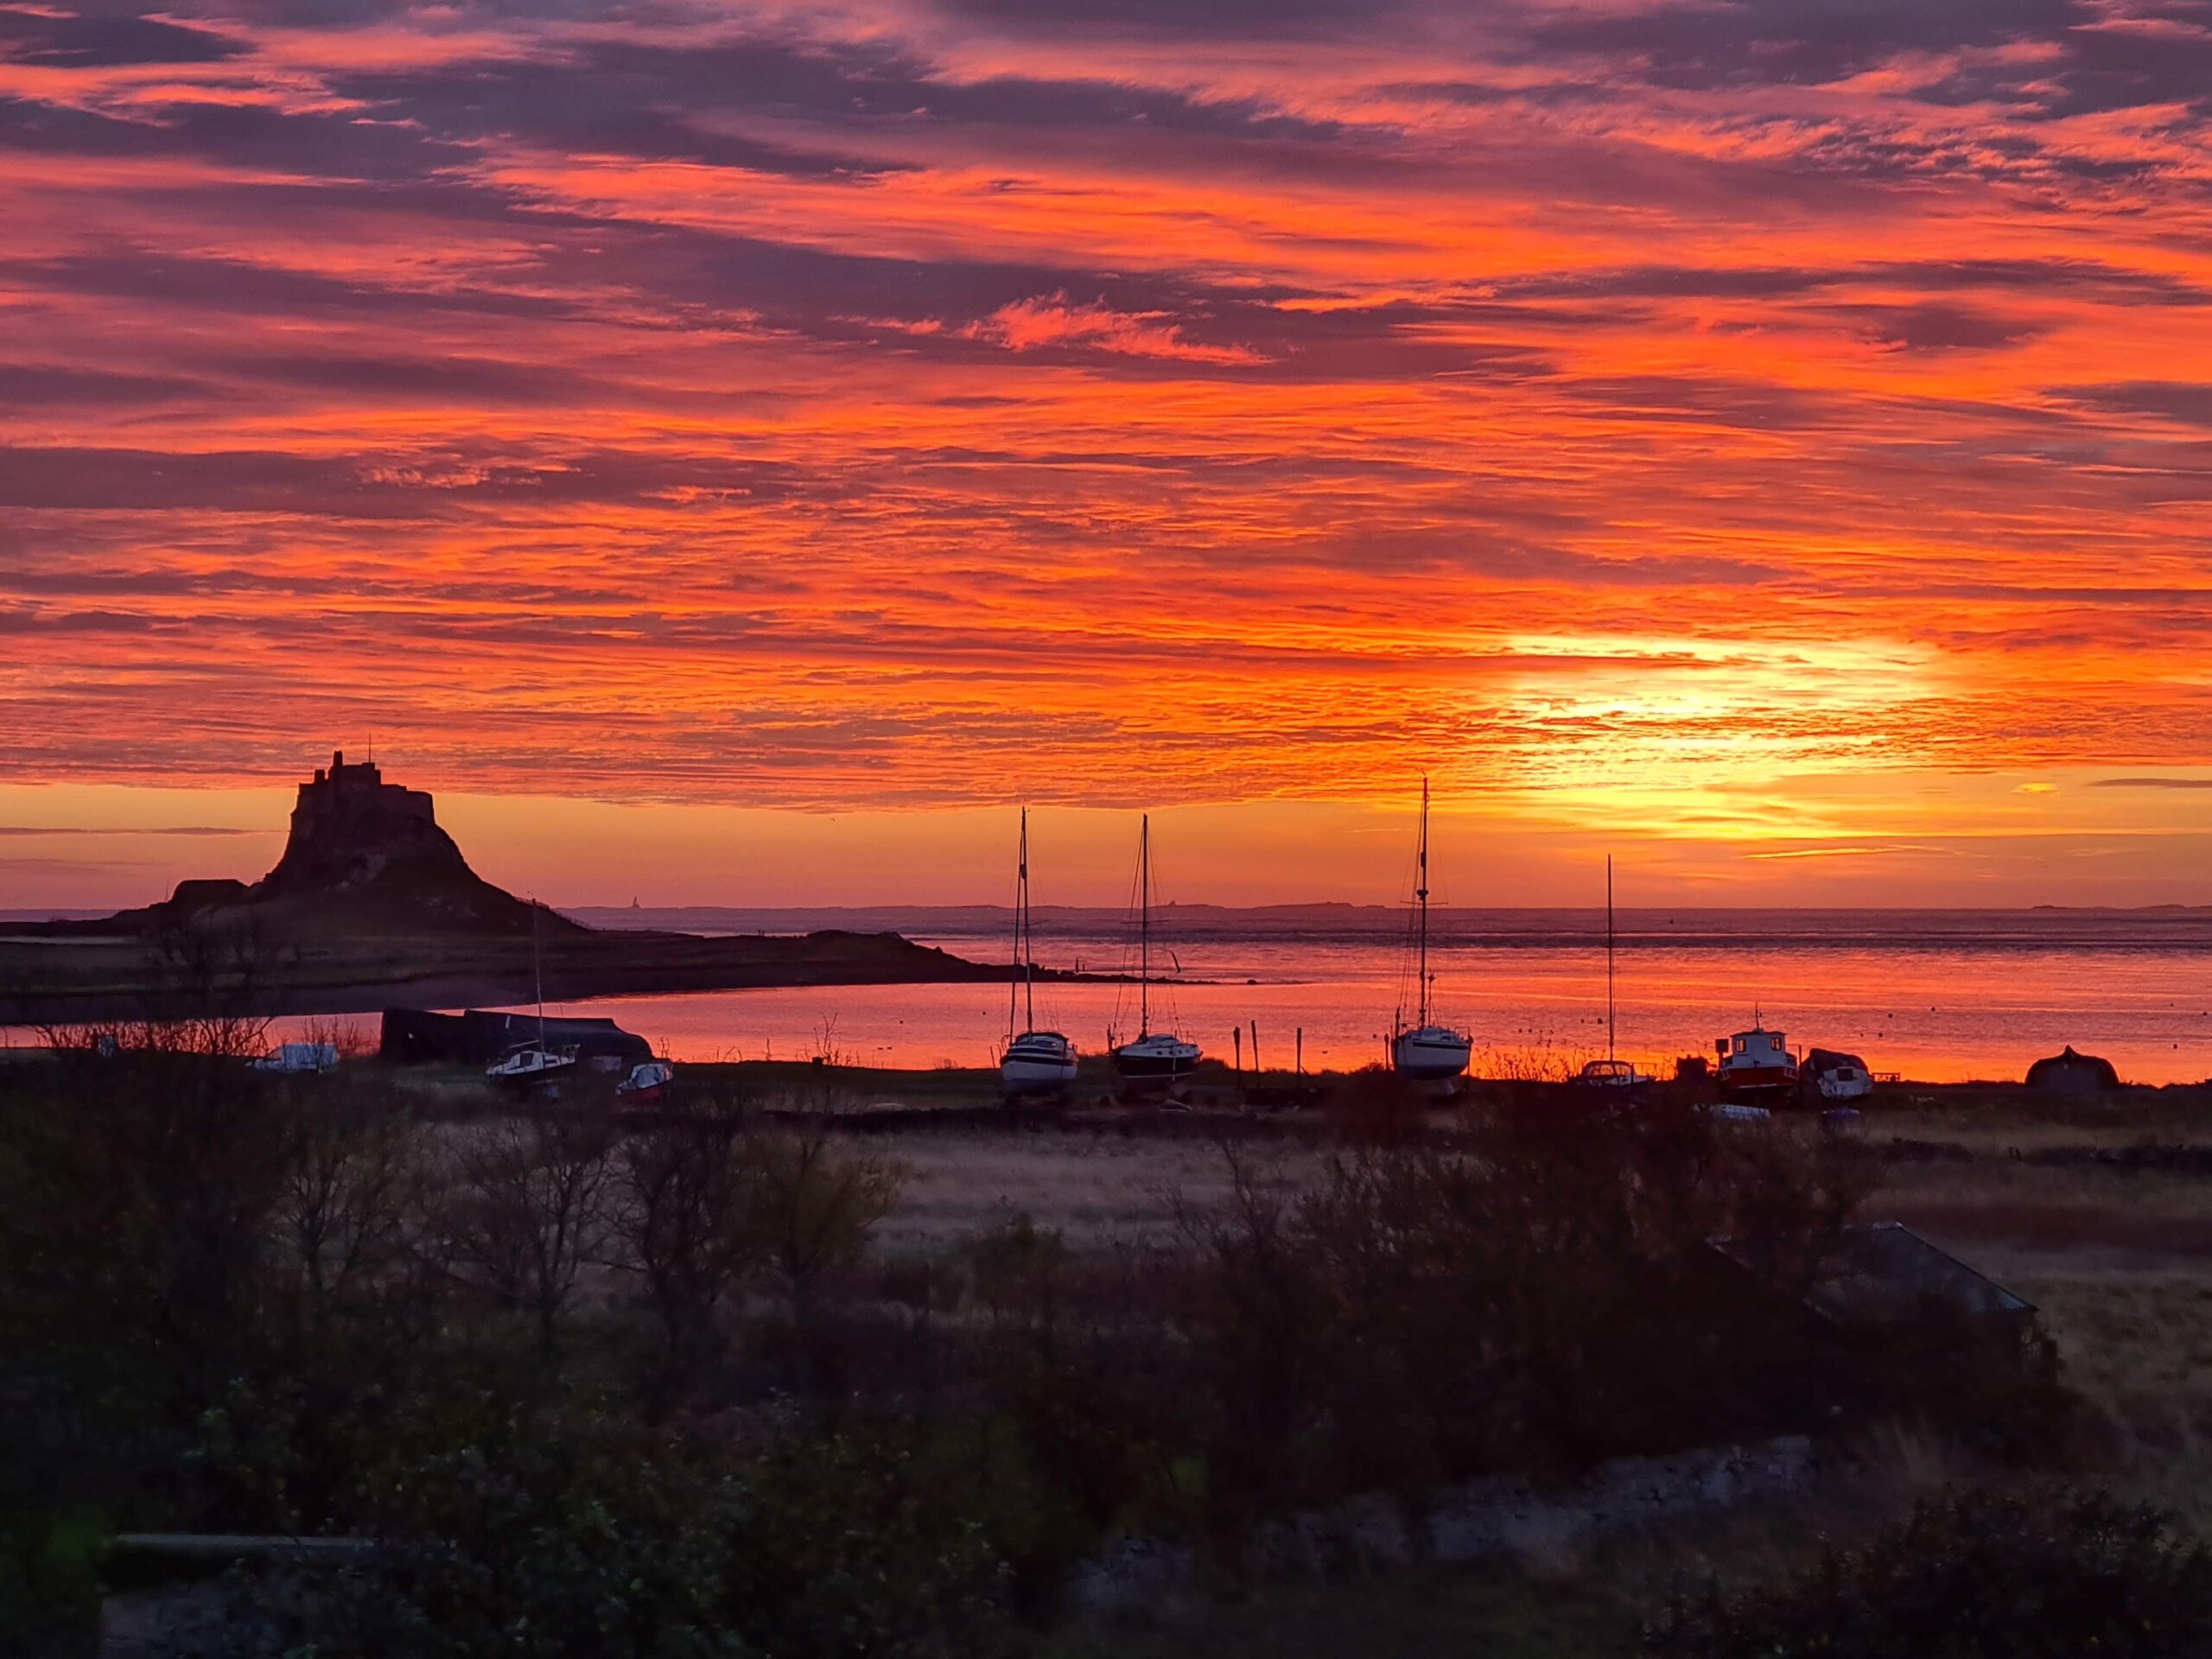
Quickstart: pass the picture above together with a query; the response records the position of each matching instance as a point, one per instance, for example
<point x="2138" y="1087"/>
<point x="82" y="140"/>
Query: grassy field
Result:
<point x="2119" y="1260"/>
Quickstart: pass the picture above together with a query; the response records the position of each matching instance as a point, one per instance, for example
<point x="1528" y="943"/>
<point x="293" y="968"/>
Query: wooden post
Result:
<point x="1302" y="1050"/>
<point x="1239" y="1035"/>
<point x="1256" y="1048"/>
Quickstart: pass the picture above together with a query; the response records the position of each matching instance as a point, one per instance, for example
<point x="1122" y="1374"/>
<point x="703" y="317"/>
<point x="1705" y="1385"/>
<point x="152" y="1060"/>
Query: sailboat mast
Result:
<point x="1028" y="937"/>
<point x="1421" y="892"/>
<point x="1144" y="925"/>
<point x="537" y="973"/>
<point x="1609" y="956"/>
<point x="1020" y="885"/>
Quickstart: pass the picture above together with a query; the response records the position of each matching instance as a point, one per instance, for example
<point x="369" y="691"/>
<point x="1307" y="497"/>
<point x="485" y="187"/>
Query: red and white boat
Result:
<point x="648" y="1084"/>
<point x="1755" y="1064"/>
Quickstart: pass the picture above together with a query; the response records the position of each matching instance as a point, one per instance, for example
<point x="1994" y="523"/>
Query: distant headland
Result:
<point x="372" y="903"/>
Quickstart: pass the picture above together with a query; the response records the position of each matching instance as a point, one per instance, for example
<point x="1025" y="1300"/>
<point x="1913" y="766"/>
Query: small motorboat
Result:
<point x="1836" y="1076"/>
<point x="648" y="1084"/>
<point x="1755" y="1064"/>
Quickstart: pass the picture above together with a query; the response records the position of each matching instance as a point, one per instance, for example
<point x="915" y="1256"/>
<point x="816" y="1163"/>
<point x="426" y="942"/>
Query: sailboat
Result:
<point x="1612" y="1073"/>
<point x="527" y="1066"/>
<point x="1154" y="1057"/>
<point x="1428" y="1052"/>
<point x="1035" y="1062"/>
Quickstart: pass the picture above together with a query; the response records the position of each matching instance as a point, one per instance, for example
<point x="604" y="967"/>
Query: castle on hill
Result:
<point x="361" y="850"/>
<point x="349" y="827"/>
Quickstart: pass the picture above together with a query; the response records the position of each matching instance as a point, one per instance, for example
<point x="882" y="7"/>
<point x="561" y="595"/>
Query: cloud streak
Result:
<point x="916" y="404"/>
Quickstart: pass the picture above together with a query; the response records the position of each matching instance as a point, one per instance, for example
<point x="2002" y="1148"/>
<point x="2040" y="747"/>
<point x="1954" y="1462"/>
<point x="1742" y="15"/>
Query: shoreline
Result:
<point x="65" y="979"/>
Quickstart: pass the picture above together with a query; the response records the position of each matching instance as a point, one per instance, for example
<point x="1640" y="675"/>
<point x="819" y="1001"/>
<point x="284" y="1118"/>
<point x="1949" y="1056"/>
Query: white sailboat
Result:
<point x="1156" y="1057"/>
<point x="1035" y="1062"/>
<point x="1428" y="1052"/>
<point x="1612" y="1073"/>
<point x="527" y="1066"/>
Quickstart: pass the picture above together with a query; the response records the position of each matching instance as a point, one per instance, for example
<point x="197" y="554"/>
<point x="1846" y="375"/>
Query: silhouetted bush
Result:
<point x="578" y="1539"/>
<point x="2048" y="1574"/>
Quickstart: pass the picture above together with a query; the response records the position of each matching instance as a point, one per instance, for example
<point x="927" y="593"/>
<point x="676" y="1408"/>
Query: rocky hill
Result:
<point x="364" y="857"/>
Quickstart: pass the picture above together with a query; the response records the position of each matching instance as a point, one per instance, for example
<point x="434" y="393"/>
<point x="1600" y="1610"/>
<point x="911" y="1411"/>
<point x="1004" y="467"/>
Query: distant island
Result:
<point x="373" y="903"/>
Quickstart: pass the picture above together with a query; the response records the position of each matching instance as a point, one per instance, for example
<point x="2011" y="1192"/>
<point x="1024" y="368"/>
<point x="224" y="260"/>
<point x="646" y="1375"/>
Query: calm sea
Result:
<point x="1934" y="995"/>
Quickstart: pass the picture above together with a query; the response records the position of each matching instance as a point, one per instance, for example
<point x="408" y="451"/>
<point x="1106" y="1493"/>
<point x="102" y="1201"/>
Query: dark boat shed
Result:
<point x="417" y="1036"/>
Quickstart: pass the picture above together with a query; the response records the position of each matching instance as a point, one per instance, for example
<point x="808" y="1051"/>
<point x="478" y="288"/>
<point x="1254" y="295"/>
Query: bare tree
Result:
<point x="351" y="1195"/>
<point x="686" y="1224"/>
<point x="527" y="1211"/>
<point x="814" y="1207"/>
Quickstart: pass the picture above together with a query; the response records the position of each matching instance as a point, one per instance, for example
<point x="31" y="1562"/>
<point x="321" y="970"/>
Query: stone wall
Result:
<point x="1475" y="1521"/>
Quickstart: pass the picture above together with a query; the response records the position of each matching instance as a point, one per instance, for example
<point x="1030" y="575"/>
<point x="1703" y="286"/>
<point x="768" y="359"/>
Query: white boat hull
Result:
<point x="530" y="1068"/>
<point x="1430" y="1054"/>
<point x="1035" y="1066"/>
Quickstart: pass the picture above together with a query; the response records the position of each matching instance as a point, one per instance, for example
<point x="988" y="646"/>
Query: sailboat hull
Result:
<point x="1037" y="1063"/>
<point x="1156" y="1065"/>
<point x="1430" y="1054"/>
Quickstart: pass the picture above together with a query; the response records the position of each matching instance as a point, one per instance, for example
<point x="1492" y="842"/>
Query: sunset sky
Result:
<point x="738" y="453"/>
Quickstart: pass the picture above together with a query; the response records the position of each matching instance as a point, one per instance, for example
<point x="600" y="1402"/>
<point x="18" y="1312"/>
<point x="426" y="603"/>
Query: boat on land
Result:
<point x="1157" y="1058"/>
<point x="534" y="1064"/>
<point x="292" y="1059"/>
<point x="1612" y="1073"/>
<point x="648" y="1084"/>
<point x="1834" y="1076"/>
<point x="1035" y="1062"/>
<point x="1754" y="1064"/>
<point x="1428" y="1051"/>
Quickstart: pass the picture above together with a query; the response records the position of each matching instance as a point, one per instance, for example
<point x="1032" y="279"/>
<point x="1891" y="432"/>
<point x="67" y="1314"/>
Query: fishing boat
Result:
<point x="1035" y="1062"/>
<point x="1755" y="1063"/>
<point x="1156" y="1058"/>
<point x="1428" y="1051"/>
<point x="532" y="1065"/>
<point x="1612" y="1072"/>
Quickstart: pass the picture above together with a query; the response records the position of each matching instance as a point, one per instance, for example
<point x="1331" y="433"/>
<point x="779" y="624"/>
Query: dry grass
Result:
<point x="1094" y="1188"/>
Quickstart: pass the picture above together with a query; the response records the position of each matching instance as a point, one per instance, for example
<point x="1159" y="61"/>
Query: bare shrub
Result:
<point x="687" y="1224"/>
<point x="349" y="1200"/>
<point x="527" y="1211"/>
<point x="813" y="1207"/>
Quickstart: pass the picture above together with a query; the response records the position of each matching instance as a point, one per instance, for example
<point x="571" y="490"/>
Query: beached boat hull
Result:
<point x="531" y="1069"/>
<point x="1156" y="1062"/>
<point x="1844" y="1083"/>
<point x="1758" y="1081"/>
<point x="1432" y="1054"/>
<point x="1039" y="1063"/>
